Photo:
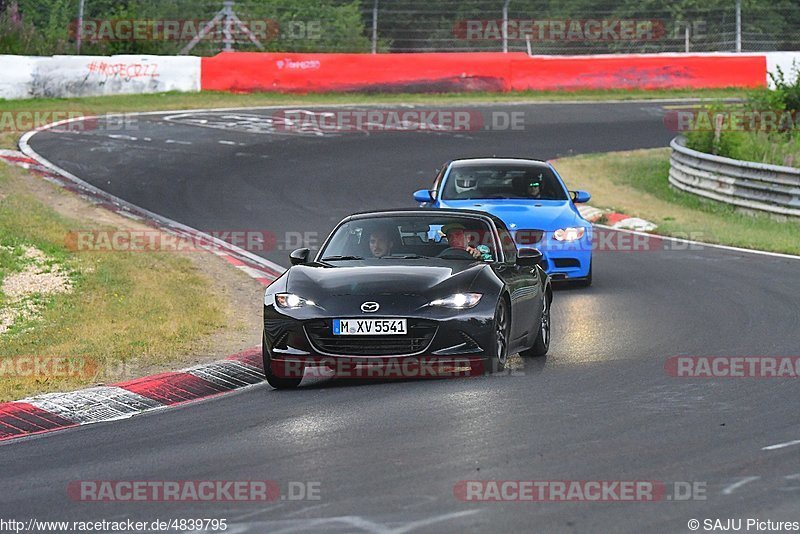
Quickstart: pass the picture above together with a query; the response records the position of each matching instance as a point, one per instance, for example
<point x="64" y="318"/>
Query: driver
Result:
<point x="466" y="184"/>
<point x="456" y="238"/>
<point x="380" y="244"/>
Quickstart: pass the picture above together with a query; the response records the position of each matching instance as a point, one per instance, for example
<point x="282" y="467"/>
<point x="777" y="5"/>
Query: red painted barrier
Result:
<point x="653" y="71"/>
<point x="357" y="72"/>
<point x="454" y="72"/>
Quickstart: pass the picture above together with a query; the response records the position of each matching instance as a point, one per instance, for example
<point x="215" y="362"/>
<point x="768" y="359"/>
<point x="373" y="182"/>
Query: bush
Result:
<point x="779" y="146"/>
<point x="43" y="27"/>
<point x="18" y="37"/>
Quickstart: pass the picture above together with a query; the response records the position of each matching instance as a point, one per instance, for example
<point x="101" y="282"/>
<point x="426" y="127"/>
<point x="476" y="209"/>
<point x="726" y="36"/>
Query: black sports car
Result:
<point x="417" y="292"/>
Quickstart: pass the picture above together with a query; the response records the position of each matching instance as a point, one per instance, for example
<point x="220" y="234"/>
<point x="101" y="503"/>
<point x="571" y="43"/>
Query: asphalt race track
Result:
<point x="387" y="456"/>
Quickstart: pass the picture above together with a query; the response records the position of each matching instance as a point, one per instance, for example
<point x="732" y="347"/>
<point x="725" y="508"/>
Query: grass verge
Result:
<point x="636" y="183"/>
<point x="212" y="99"/>
<point x="125" y="309"/>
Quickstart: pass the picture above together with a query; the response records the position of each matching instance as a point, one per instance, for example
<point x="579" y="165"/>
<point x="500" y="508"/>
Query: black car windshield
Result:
<point x="411" y="238"/>
<point x="515" y="181"/>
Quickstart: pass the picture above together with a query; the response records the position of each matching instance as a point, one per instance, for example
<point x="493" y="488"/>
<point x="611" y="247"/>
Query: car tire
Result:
<point x="278" y="382"/>
<point x="585" y="282"/>
<point x="498" y="355"/>
<point x="542" y="344"/>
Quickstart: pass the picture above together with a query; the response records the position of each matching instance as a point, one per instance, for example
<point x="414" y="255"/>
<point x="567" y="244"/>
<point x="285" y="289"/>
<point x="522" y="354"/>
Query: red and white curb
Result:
<point x="56" y="411"/>
<point x="618" y="221"/>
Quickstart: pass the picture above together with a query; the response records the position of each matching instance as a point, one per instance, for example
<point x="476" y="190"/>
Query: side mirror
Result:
<point x="529" y="257"/>
<point x="299" y="256"/>
<point x="423" y="195"/>
<point x="580" y="197"/>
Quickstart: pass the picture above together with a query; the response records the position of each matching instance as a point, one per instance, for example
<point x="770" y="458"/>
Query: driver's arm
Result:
<point x="474" y="252"/>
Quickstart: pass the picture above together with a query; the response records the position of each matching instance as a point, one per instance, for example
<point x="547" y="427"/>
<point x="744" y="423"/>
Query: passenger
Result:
<point x="527" y="187"/>
<point x="534" y="189"/>
<point x="380" y="244"/>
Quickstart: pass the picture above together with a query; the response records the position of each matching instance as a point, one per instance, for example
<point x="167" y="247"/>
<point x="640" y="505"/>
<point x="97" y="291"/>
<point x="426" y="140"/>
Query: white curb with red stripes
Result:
<point x="55" y="411"/>
<point x="616" y="220"/>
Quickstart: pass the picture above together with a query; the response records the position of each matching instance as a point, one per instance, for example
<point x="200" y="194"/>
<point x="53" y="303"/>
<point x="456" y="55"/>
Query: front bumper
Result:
<point x="561" y="265"/>
<point x="405" y="367"/>
<point x="453" y="344"/>
<point x="565" y="260"/>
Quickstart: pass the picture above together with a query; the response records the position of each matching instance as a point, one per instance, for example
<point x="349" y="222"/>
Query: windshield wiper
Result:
<point x="343" y="258"/>
<point x="403" y="257"/>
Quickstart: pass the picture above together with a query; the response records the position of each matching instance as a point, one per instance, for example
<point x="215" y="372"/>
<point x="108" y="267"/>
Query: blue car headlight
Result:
<point x="569" y="234"/>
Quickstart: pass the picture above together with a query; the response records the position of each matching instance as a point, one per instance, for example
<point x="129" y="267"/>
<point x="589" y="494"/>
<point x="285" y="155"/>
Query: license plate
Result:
<point x="369" y="327"/>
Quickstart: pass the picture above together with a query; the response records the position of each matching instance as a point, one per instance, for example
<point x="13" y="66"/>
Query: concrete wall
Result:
<point x="70" y="76"/>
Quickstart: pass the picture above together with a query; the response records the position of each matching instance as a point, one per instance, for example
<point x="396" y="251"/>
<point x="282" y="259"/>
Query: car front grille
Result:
<point x="419" y="337"/>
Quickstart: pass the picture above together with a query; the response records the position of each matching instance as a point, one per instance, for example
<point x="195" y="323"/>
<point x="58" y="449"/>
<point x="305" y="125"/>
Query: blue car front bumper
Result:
<point x="565" y="260"/>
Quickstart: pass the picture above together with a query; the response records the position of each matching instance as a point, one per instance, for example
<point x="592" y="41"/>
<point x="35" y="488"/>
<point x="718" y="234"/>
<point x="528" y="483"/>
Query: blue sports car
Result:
<point x="531" y="198"/>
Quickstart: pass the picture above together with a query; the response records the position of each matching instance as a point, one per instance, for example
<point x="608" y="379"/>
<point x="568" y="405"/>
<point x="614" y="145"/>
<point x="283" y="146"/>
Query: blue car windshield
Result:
<point x="480" y="182"/>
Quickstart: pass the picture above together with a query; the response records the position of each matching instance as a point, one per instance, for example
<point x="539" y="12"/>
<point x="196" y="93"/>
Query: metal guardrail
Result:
<point x="756" y="186"/>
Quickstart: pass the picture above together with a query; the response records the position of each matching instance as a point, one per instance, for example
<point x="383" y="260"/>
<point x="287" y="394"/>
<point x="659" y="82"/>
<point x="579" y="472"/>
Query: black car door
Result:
<point x="525" y="289"/>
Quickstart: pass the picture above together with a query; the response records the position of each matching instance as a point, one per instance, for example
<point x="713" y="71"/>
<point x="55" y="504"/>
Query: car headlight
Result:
<point x="459" y="301"/>
<point x="569" y="234"/>
<point x="290" y="301"/>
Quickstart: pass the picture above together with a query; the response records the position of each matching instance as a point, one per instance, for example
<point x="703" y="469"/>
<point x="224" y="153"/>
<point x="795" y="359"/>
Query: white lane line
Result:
<point x="703" y="244"/>
<point x="224" y="142"/>
<point x="248" y="515"/>
<point x="414" y="525"/>
<point x="307" y="509"/>
<point x="357" y="522"/>
<point x="781" y="445"/>
<point x="736" y="485"/>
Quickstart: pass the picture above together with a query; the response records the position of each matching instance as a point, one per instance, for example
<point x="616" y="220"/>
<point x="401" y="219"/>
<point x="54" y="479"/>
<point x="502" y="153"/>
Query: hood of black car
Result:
<point x="379" y="277"/>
